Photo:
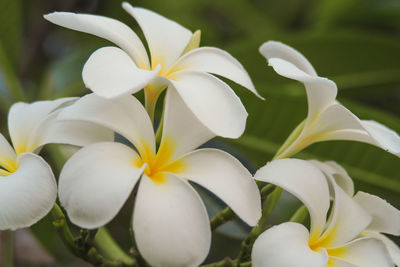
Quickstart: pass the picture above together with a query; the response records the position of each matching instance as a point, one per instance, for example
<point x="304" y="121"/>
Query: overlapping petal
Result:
<point x="303" y="180"/>
<point x="124" y="115"/>
<point x="286" y="245"/>
<point x="7" y="154"/>
<point x="216" y="61"/>
<point x="227" y="178"/>
<point x="385" y="217"/>
<point x="27" y="194"/>
<point x="212" y="101"/>
<point x="96" y="181"/>
<point x="110" y="72"/>
<point x="107" y="28"/>
<point x="170" y="223"/>
<point x="392" y="247"/>
<point x="166" y="39"/>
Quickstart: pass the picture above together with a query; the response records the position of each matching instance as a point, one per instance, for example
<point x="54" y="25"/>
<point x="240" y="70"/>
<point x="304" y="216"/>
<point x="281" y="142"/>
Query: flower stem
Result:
<point x="300" y="215"/>
<point x="282" y="153"/>
<point x="8" y="249"/>
<point x="227" y="262"/>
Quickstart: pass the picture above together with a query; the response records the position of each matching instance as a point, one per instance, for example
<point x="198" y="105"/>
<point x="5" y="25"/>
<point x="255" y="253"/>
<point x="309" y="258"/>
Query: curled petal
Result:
<point x="96" y="181"/>
<point x="212" y="101"/>
<point x="170" y="223"/>
<point x="216" y="61"/>
<point x="286" y="245"/>
<point x="385" y="217"/>
<point x="182" y="126"/>
<point x="7" y="153"/>
<point x="166" y="38"/>
<point x="383" y="137"/>
<point x="303" y="180"/>
<point x="124" y="115"/>
<point x="392" y="247"/>
<point x="110" y="72"/>
<point x="107" y="28"/>
<point x="27" y="194"/>
<point x="226" y="177"/>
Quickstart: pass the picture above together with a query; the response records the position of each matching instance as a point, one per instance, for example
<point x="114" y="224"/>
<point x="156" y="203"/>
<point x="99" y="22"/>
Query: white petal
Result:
<point x="392" y="247"/>
<point x="286" y="245"/>
<point x="287" y="62"/>
<point x="340" y="175"/>
<point x="166" y="39"/>
<point x="303" y="180"/>
<point x="347" y="219"/>
<point x="96" y="181"/>
<point x="384" y="137"/>
<point x="273" y="49"/>
<point x="170" y="223"/>
<point x="25" y="120"/>
<point x="385" y="217"/>
<point x="110" y="72"/>
<point x="28" y="194"/>
<point x="366" y="252"/>
<point x="124" y="115"/>
<point x="181" y="126"/>
<point x="7" y="154"/>
<point x="212" y="101"/>
<point x="227" y="178"/>
<point x="338" y="262"/>
<point x="107" y="28"/>
<point x="216" y="61"/>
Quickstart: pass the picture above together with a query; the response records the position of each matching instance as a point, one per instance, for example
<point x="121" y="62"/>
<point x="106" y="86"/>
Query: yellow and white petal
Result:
<point x="27" y="194"/>
<point x="303" y="180"/>
<point x="166" y="39"/>
<point x="212" y="101"/>
<point x="182" y="131"/>
<point x="96" y="181"/>
<point x="107" y="28"/>
<point x="340" y="175"/>
<point x="385" y="217"/>
<point x="286" y="245"/>
<point x="8" y="158"/>
<point x="216" y="61"/>
<point x="274" y="49"/>
<point x="364" y="252"/>
<point x="338" y="262"/>
<point x="124" y="115"/>
<point x="170" y="223"/>
<point x="25" y="120"/>
<point x="347" y="219"/>
<point x="321" y="92"/>
<point x="392" y="247"/>
<point x="226" y="177"/>
<point x="110" y="72"/>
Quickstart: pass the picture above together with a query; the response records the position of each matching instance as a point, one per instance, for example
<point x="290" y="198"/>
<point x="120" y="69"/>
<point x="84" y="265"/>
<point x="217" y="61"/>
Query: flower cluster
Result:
<point x="160" y="164"/>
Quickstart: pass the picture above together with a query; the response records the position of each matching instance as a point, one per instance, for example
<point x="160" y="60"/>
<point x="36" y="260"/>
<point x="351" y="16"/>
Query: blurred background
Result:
<point x="355" y="43"/>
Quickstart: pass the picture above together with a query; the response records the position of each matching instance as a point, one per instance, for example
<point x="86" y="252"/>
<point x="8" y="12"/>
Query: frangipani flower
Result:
<point x="385" y="217"/>
<point x="111" y="72"/>
<point x="332" y="242"/>
<point x="28" y="189"/>
<point x="170" y="222"/>
<point x="327" y="119"/>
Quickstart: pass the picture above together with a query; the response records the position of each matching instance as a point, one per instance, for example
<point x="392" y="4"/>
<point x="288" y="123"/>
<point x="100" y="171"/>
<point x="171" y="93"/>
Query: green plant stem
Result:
<point x="159" y="130"/>
<point x="289" y="141"/>
<point x="110" y="248"/>
<point x="300" y="215"/>
<point x="227" y="262"/>
<point x="83" y="246"/>
<point x="8" y="249"/>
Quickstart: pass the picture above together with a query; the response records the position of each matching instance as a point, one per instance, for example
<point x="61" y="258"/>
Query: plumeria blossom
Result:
<point x="385" y="217"/>
<point x="327" y="119"/>
<point x="175" y="61"/>
<point x="170" y="223"/>
<point x="333" y="242"/>
<point x="28" y="189"/>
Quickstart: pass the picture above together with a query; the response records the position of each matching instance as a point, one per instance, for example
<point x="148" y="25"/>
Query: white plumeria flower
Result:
<point x="385" y="217"/>
<point x="28" y="189"/>
<point x="170" y="222"/>
<point x="327" y="119"/>
<point x="329" y="243"/>
<point x="111" y="72"/>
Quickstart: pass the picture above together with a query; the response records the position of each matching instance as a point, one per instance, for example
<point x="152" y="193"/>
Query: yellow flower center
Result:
<point x="8" y="166"/>
<point x="160" y="164"/>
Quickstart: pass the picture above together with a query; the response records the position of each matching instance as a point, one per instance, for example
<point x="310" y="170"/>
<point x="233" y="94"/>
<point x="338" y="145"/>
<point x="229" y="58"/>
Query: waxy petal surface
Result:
<point x="96" y="181"/>
<point x="170" y="223"/>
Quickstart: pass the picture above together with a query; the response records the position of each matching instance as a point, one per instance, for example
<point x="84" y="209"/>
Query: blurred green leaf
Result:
<point x="11" y="28"/>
